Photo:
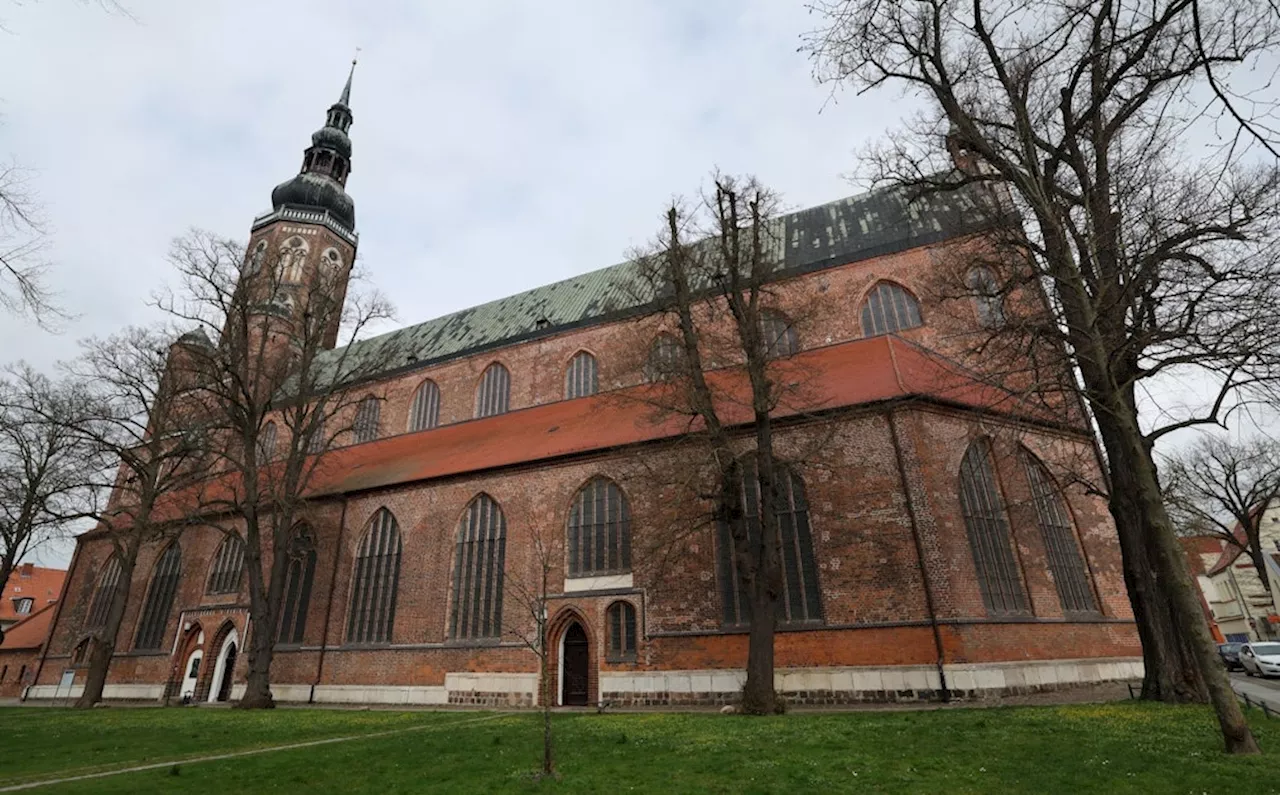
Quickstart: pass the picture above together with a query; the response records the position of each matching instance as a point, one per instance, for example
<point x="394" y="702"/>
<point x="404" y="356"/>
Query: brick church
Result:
<point x="935" y="544"/>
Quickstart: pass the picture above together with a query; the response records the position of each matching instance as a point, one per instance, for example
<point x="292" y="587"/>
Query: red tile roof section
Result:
<point x="847" y="374"/>
<point x="29" y="633"/>
<point x="41" y="584"/>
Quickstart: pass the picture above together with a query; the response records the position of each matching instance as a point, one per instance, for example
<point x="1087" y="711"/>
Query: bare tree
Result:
<point x="1222" y="488"/>
<point x="276" y="391"/>
<point x="1154" y="262"/>
<point x="709" y="274"/>
<point x="44" y="468"/>
<point x="529" y="623"/>
<point x="134" y="417"/>
<point x="23" y="290"/>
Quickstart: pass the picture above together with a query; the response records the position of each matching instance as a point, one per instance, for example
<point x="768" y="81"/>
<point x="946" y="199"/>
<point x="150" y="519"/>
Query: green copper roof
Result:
<point x="847" y="230"/>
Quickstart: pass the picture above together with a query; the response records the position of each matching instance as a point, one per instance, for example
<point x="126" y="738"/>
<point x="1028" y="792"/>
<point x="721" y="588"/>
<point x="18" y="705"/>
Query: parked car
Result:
<point x="1230" y="654"/>
<point x="1262" y="659"/>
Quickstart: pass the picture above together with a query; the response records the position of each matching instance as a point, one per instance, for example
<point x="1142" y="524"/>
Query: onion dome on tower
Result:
<point x="321" y="184"/>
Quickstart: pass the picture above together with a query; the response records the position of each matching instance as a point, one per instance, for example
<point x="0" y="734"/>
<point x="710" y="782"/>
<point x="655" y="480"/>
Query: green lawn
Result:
<point x="1124" y="747"/>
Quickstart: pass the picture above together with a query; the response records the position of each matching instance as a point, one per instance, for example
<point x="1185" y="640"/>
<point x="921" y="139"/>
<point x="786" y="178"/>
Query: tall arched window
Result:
<point x="1065" y="561"/>
<point x="293" y="260"/>
<point x="376" y="581"/>
<point x="620" y="620"/>
<point x="155" y="610"/>
<point x="494" y="391"/>
<point x="599" y="530"/>
<point x="267" y="442"/>
<point x="425" y="411"/>
<point x="228" y="565"/>
<point x="665" y="358"/>
<point x="477" y="571"/>
<point x="987" y="525"/>
<point x="100" y="606"/>
<point x="297" y="586"/>
<point x="580" y="379"/>
<point x="318" y="441"/>
<point x="802" y="599"/>
<point x="987" y="301"/>
<point x="365" y="427"/>
<point x="889" y="309"/>
<point x="778" y="335"/>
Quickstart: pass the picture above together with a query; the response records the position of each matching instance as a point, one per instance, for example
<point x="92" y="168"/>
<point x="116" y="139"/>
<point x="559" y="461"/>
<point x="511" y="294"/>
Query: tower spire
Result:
<point x="345" y="99"/>
<point x="321" y="182"/>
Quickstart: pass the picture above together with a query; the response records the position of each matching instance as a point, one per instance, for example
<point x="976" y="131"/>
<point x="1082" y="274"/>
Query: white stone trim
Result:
<point x="972" y="676"/>
<point x="129" y="692"/>
<point x="607" y="582"/>
<point x="372" y="694"/>
<point x="468" y="682"/>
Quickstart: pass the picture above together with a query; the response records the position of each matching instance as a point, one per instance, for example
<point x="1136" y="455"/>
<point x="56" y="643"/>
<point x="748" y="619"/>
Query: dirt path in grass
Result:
<point x="45" y="782"/>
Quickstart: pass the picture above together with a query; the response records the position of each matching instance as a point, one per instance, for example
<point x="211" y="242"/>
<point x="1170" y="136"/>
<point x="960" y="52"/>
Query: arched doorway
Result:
<point x="191" y="676"/>
<point x="224" y="668"/>
<point x="575" y="666"/>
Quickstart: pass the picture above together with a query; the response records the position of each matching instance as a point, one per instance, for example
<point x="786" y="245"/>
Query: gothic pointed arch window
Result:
<point x="987" y="301"/>
<point x="801" y="596"/>
<point x="599" y="540"/>
<point x="267" y="442"/>
<point x="293" y="260"/>
<point x="665" y="358"/>
<point x="100" y="605"/>
<point x="376" y="581"/>
<point x="478" y="571"/>
<point x="228" y="566"/>
<point x="620" y="621"/>
<point x="425" y="411"/>
<point x="253" y="263"/>
<point x="494" y="392"/>
<point x="318" y="440"/>
<point x="298" y="579"/>
<point x="1066" y="564"/>
<point x="888" y="309"/>
<point x="987" y="526"/>
<point x="159" y="601"/>
<point x="365" y="427"/>
<point x="778" y="335"/>
<point x="580" y="378"/>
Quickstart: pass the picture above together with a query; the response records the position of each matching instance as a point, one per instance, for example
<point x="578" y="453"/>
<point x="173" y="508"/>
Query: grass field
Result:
<point x="1123" y="747"/>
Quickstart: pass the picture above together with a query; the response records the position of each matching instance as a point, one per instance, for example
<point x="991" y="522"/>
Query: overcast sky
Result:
<point x="498" y="146"/>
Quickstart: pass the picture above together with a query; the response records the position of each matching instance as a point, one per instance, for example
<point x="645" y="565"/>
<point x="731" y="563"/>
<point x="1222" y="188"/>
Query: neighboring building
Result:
<point x="932" y="537"/>
<point x="30" y="589"/>
<point x="1244" y="609"/>
<point x="20" y="652"/>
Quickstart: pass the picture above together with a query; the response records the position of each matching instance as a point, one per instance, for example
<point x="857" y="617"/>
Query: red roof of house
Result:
<point x="1197" y="546"/>
<point x="1232" y="551"/>
<point x="31" y="632"/>
<point x="34" y="582"/>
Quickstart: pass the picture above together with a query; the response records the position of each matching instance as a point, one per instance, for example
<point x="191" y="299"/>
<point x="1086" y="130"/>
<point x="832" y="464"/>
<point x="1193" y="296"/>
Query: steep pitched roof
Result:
<point x="31" y="632"/>
<point x="847" y="230"/>
<point x="1232" y="551"/>
<point x="28" y="581"/>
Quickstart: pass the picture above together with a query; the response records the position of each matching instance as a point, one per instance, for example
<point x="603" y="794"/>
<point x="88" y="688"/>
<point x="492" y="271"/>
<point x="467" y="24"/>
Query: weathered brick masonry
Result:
<point x="900" y="596"/>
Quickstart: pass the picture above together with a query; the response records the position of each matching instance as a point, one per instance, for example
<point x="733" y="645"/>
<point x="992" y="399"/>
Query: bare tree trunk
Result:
<point x="1135" y="472"/>
<point x="261" y="641"/>
<point x="548" y="756"/>
<point x="103" y="648"/>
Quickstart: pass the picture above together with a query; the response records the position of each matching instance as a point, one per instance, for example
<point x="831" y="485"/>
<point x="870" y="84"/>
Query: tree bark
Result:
<point x="261" y="641"/>
<point x="1180" y="653"/>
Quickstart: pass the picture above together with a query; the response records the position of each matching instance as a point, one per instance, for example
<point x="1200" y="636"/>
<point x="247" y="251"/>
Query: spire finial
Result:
<point x="345" y="99"/>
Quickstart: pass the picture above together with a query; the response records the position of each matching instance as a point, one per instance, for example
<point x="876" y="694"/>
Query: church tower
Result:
<point x="309" y="236"/>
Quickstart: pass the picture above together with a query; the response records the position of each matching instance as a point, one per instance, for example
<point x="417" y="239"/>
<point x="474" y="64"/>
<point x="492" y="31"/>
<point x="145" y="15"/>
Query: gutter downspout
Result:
<point x="57" y="615"/>
<point x="924" y="568"/>
<point x="328" y="607"/>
